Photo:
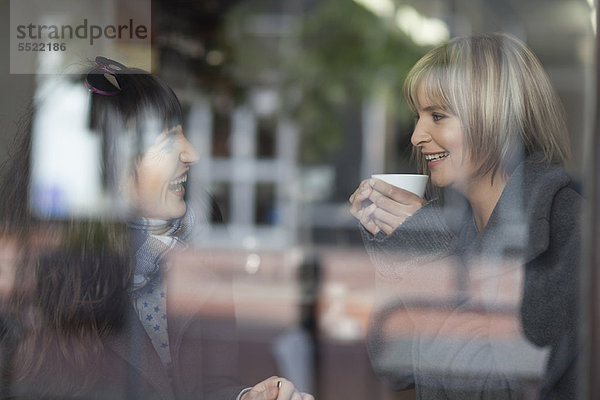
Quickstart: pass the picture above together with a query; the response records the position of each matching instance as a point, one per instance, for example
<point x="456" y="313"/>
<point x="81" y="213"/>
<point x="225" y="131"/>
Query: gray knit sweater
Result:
<point x="534" y="231"/>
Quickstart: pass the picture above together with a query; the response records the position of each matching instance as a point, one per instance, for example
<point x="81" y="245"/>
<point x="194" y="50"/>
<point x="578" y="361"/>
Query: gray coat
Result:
<point x="127" y="367"/>
<point x="535" y="225"/>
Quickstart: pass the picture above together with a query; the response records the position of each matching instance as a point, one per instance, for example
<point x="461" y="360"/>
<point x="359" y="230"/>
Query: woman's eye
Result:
<point x="166" y="141"/>
<point x="436" y="117"/>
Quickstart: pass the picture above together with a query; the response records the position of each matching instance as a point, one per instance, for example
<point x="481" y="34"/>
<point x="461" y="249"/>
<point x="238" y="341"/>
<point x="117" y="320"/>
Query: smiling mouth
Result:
<point x="176" y="185"/>
<point x="436" y="156"/>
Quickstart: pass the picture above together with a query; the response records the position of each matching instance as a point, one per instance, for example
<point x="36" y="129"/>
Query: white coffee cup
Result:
<point x="411" y="182"/>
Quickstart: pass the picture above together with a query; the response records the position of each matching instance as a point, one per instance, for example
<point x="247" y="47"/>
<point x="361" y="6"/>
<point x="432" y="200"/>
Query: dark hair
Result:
<point x="145" y="105"/>
<point x="72" y="275"/>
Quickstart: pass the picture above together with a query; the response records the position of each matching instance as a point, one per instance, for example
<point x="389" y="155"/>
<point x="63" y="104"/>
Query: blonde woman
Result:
<point x="490" y="132"/>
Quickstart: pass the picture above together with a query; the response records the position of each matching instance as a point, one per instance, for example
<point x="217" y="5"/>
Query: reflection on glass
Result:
<point x="221" y="135"/>
<point x="266" y="134"/>
<point x="266" y="210"/>
<point x="67" y="166"/>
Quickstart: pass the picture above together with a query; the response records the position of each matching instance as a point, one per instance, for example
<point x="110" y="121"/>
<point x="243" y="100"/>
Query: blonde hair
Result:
<point x="500" y="93"/>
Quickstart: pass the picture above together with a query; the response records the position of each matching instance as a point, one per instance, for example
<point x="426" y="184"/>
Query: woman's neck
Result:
<point x="483" y="194"/>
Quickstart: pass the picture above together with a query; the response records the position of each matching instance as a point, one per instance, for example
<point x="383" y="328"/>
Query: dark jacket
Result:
<point x="204" y="362"/>
<point x="535" y="224"/>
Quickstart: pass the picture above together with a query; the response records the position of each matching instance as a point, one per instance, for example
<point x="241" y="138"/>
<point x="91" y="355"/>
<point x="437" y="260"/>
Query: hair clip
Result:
<point x="102" y="79"/>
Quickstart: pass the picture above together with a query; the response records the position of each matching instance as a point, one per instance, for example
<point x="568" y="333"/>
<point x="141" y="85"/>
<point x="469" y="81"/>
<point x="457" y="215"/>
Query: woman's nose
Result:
<point x="420" y="135"/>
<point x="188" y="154"/>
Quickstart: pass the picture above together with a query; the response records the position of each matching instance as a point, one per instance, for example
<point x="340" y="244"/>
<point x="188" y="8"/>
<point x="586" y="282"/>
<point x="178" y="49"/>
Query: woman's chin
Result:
<point x="166" y="213"/>
<point x="437" y="182"/>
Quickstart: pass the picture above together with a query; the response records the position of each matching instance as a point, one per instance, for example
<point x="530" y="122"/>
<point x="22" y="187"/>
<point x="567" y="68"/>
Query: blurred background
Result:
<point x="291" y="103"/>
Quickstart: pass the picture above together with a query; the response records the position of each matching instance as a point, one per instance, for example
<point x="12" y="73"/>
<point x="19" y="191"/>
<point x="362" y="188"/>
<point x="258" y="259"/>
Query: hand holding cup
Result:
<point x="385" y="201"/>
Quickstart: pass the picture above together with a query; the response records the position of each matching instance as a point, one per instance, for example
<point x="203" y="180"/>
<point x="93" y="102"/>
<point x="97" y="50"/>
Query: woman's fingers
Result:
<point x="380" y="206"/>
<point x="395" y="193"/>
<point x="362" y="208"/>
<point x="287" y="391"/>
<point x="388" y="229"/>
<point x="394" y="207"/>
<point x="362" y="191"/>
<point x="265" y="390"/>
<point x="386" y="221"/>
<point x="389" y="206"/>
<point x="365" y="218"/>
<point x="359" y="196"/>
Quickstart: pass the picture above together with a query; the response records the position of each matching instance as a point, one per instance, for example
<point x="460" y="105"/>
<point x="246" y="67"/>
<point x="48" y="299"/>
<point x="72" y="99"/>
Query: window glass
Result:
<point x="212" y="212"/>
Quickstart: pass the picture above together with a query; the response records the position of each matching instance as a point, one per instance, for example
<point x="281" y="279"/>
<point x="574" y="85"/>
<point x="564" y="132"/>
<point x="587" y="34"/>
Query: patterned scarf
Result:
<point x="152" y="240"/>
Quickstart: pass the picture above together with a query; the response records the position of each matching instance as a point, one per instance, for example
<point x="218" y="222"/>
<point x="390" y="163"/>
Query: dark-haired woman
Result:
<point x="90" y="311"/>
